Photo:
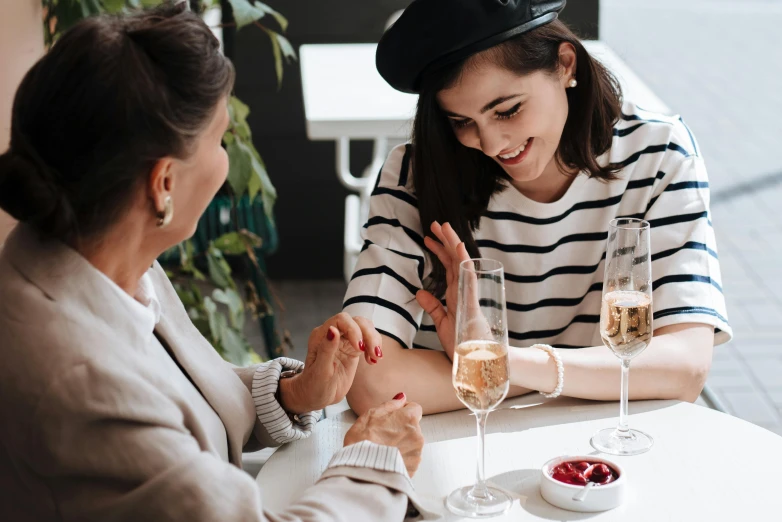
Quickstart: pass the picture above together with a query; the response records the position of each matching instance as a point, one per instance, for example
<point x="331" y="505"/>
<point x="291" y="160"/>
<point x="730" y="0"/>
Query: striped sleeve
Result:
<point x="392" y="264"/>
<point x="687" y="285"/>
<point x="366" y="454"/>
<point x="281" y="426"/>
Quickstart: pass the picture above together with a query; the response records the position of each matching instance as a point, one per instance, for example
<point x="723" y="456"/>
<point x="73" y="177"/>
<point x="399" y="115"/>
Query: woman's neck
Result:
<point x="122" y="255"/>
<point x="549" y="187"/>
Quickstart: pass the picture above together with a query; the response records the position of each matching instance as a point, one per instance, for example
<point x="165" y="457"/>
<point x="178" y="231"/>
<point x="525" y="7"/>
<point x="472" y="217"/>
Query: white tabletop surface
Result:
<point x="344" y="95"/>
<point x="704" y="466"/>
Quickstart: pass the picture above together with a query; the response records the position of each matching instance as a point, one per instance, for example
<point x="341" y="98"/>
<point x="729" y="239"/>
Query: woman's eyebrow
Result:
<point x="489" y="106"/>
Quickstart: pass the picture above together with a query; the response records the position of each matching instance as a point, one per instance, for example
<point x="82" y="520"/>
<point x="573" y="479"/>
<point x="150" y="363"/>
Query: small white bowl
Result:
<point x="599" y="498"/>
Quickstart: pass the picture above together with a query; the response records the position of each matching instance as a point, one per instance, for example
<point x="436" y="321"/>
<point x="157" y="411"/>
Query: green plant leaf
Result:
<point x="186" y="296"/>
<point x="227" y="341"/>
<point x="287" y="49"/>
<point x="231" y="243"/>
<point x="151" y="3"/>
<point x="240" y="165"/>
<point x="219" y="271"/>
<point x="260" y="181"/>
<point x="238" y="111"/>
<point x="196" y="294"/>
<point x="202" y="324"/>
<point x="277" y="51"/>
<point x="237" y="351"/>
<point x="233" y="301"/>
<point x="250" y="239"/>
<point x="249" y="11"/>
<point x="245" y="12"/>
<point x="213" y="316"/>
<point x="277" y="16"/>
<point x="282" y="50"/>
<point x="113" y="6"/>
<point x="90" y="7"/>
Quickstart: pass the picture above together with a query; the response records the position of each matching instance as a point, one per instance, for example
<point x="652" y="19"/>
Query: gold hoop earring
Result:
<point x="164" y="218"/>
<point x="572" y="83"/>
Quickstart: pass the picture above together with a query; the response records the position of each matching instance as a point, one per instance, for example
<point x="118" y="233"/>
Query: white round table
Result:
<point x="704" y="466"/>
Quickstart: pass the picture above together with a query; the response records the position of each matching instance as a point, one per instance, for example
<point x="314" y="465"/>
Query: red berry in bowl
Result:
<point x="582" y="466"/>
<point x="601" y="470"/>
<point x="578" y="479"/>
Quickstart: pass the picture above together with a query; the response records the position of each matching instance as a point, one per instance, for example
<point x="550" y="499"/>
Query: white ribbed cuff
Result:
<point x="366" y="454"/>
<point x="278" y="423"/>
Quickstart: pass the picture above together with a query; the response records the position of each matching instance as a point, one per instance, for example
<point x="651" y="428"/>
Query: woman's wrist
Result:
<point x="532" y="369"/>
<point x="290" y="397"/>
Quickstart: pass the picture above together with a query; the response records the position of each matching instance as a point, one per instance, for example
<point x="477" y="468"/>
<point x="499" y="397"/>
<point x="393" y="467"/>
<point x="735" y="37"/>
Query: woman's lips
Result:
<point x="521" y="152"/>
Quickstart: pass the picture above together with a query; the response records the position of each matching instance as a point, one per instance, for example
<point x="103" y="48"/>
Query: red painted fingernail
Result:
<point x="362" y="346"/>
<point x="330" y="335"/>
<point x="378" y="351"/>
<point x="373" y="361"/>
<point x="399" y="396"/>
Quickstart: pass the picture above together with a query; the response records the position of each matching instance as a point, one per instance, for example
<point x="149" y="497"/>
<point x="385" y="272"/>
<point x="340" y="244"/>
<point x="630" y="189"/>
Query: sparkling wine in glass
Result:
<point x="481" y="374"/>
<point x="626" y="321"/>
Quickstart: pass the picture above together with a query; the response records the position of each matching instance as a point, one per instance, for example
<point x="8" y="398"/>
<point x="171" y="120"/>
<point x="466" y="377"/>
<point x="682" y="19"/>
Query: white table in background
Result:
<point x="704" y="466"/>
<point x="345" y="98"/>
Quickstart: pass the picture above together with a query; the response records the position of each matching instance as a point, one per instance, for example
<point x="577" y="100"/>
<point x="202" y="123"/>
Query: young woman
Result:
<point x="112" y="405"/>
<point x="523" y="151"/>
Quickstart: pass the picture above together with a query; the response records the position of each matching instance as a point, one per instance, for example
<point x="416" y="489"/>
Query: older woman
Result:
<point x="112" y="405"/>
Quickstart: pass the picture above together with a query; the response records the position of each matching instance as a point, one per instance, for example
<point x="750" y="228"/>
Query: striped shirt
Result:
<point x="554" y="253"/>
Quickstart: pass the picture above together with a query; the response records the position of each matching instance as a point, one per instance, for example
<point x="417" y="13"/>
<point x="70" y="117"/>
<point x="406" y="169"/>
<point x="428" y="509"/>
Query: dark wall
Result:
<point x="310" y="205"/>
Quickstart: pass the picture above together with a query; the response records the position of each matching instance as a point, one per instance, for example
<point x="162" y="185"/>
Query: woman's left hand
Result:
<point x="451" y="252"/>
<point x="334" y="351"/>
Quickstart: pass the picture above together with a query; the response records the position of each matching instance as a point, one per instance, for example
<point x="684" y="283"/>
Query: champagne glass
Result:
<point x="481" y="374"/>
<point x="626" y="321"/>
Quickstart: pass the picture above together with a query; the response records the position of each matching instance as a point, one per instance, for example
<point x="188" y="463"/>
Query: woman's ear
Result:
<point x="160" y="183"/>
<point x="567" y="63"/>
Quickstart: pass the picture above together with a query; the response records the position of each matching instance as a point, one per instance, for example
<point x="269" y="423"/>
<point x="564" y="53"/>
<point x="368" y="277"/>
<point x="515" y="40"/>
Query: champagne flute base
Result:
<point x="462" y="502"/>
<point x="609" y="441"/>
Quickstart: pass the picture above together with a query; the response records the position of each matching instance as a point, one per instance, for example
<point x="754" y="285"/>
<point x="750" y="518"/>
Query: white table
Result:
<point x="704" y="466"/>
<point x="345" y="98"/>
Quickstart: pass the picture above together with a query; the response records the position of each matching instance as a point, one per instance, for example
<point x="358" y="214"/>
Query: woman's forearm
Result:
<point x="423" y="375"/>
<point x="673" y="366"/>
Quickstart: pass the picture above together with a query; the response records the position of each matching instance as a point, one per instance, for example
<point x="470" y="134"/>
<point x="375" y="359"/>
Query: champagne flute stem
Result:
<point x="479" y="489"/>
<point x="623" y="430"/>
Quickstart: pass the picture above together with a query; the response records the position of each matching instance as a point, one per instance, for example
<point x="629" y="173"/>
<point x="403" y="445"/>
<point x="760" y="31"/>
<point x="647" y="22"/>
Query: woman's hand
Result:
<point x="451" y="252"/>
<point x="394" y="423"/>
<point x="334" y="351"/>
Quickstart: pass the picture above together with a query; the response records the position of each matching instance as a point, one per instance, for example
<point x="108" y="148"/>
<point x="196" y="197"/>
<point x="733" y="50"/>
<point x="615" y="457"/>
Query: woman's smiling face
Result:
<point x="517" y="120"/>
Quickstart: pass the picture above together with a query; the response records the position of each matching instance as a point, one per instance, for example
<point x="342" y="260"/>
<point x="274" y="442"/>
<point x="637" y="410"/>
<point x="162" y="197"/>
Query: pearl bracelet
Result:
<point x="560" y="370"/>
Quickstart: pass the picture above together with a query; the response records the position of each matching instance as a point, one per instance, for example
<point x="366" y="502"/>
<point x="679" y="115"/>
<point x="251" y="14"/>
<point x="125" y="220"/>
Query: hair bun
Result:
<point x="29" y="193"/>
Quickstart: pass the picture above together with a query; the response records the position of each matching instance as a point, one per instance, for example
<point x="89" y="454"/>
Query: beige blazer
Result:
<point x="91" y="429"/>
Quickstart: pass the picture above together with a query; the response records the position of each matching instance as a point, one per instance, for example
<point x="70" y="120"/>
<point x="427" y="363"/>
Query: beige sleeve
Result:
<point x="112" y="447"/>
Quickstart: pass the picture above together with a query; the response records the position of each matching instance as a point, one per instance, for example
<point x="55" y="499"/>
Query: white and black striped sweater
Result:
<point x="553" y="253"/>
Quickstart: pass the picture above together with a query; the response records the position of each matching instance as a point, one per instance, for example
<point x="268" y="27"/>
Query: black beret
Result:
<point x="433" y="33"/>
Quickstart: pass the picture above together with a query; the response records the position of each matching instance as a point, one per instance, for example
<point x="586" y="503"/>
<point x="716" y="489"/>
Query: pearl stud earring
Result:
<point x="572" y="83"/>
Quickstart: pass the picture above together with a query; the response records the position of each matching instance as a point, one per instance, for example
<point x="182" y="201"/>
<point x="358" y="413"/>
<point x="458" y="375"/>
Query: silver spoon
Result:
<point x="581" y="495"/>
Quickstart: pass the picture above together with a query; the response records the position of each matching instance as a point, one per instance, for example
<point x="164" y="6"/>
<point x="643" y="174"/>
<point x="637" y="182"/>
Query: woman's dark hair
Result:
<point x="91" y="118"/>
<point x="454" y="183"/>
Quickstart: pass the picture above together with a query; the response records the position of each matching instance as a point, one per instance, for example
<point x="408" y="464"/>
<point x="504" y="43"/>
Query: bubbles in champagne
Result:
<point x="626" y="322"/>
<point x="481" y="375"/>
